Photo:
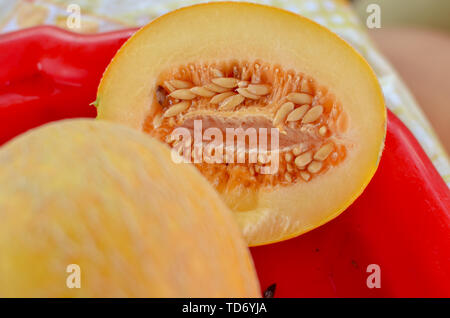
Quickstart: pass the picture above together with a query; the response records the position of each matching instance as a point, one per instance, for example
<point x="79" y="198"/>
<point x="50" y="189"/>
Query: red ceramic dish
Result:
<point x="401" y="222"/>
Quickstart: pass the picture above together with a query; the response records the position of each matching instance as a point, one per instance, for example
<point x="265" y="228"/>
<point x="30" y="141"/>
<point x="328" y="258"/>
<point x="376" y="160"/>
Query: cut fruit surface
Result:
<point x="311" y="102"/>
<point x="103" y="205"/>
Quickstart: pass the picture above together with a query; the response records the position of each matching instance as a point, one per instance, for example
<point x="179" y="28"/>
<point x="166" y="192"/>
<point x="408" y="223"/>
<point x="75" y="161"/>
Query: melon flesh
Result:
<point x="171" y="65"/>
<point x="109" y="199"/>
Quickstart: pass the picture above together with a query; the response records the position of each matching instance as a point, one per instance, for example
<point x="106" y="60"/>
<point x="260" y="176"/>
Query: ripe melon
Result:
<point x="109" y="199"/>
<point x="239" y="65"/>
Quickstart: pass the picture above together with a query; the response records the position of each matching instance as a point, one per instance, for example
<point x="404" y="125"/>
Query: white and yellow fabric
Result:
<point x="337" y="15"/>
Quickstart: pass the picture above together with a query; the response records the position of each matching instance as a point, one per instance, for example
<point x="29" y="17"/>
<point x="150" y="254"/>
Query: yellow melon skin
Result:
<point x="110" y="199"/>
<point x="228" y="31"/>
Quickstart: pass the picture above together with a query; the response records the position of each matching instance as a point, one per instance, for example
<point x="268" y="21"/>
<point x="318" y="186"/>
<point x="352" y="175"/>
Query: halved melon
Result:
<point x="102" y="207"/>
<point x="218" y="66"/>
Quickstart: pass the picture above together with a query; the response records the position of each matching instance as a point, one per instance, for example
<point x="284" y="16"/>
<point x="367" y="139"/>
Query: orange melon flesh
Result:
<point x="109" y="199"/>
<point x="284" y="52"/>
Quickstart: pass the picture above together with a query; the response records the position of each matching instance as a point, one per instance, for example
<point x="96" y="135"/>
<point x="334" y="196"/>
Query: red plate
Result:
<point x="401" y="223"/>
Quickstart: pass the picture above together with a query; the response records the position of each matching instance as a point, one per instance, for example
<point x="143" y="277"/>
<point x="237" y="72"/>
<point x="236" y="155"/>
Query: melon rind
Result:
<point x="109" y="199"/>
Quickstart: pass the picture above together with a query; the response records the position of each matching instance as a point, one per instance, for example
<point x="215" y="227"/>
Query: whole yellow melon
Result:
<point x="95" y="209"/>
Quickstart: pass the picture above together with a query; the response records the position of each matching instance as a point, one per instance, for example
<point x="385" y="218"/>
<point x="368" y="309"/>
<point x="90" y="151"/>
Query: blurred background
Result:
<point x="415" y="38"/>
<point x="410" y="53"/>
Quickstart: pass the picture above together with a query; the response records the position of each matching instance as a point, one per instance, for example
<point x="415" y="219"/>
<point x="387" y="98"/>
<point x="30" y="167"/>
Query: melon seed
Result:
<point x="315" y="166"/>
<point x="282" y="112"/>
<point x="227" y="82"/>
<point x="313" y="114"/>
<point x="220" y="97"/>
<point x="216" y="88"/>
<point x="297" y="150"/>
<point x="231" y="102"/>
<point x="178" y="84"/>
<point x="177" y="109"/>
<point x="184" y="94"/>
<point x="297" y="113"/>
<point x="300" y="98"/>
<point x="201" y="91"/>
<point x="305" y="175"/>
<point x="323" y="152"/>
<point x="323" y="130"/>
<point x="302" y="160"/>
<point x="157" y="120"/>
<point x="169" y="86"/>
<point x="244" y="92"/>
<point x="259" y="89"/>
<point x="304" y="86"/>
<point x="216" y="72"/>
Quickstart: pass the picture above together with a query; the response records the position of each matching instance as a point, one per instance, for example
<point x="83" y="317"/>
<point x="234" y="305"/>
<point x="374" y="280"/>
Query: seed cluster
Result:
<point x="226" y="92"/>
<point x="294" y="103"/>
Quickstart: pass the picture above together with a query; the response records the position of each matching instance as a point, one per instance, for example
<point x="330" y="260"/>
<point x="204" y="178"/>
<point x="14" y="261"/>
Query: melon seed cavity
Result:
<point x="252" y="95"/>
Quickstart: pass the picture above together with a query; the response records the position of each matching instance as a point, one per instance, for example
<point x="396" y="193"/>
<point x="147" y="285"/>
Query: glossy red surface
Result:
<point x="48" y="74"/>
<point x="401" y="222"/>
